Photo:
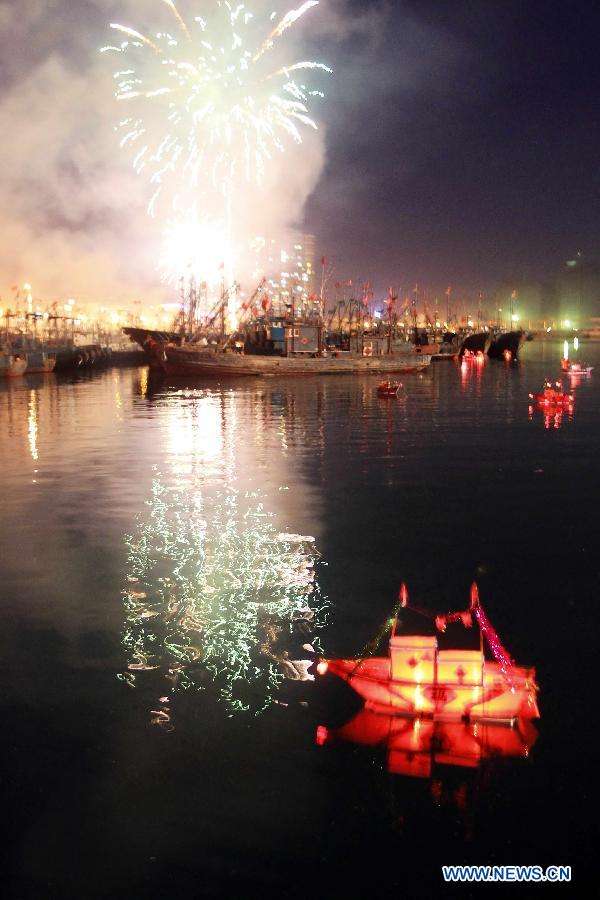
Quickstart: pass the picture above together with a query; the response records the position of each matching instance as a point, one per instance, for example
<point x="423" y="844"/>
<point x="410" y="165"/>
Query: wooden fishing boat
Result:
<point x="39" y="362"/>
<point x="417" y="679"/>
<point x="192" y="360"/>
<point x="11" y="365"/>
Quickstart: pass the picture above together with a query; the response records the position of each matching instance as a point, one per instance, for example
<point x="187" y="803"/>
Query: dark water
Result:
<point x="121" y="495"/>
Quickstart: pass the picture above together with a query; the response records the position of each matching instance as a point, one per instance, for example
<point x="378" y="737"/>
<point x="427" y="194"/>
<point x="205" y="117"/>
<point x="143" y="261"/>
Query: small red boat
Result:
<point x="388" y="388"/>
<point x="419" y="680"/>
<point x="553" y="395"/>
<point x="575" y="367"/>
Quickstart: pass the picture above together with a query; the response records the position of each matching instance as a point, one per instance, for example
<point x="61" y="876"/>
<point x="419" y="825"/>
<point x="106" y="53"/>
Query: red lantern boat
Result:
<point x="388" y="388"/>
<point x="575" y="367"/>
<point x="419" y="680"/>
<point x="553" y="395"/>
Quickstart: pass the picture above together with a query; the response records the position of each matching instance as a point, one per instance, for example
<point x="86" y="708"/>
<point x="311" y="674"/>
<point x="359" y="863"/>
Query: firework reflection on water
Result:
<point x="218" y="599"/>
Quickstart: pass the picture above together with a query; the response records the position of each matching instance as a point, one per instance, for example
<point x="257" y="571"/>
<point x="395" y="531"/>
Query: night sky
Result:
<point x="459" y="145"/>
<point x="464" y="142"/>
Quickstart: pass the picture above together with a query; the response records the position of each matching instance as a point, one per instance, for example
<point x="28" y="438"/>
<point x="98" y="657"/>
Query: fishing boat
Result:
<point x="39" y="362"/>
<point x="11" y="365"/>
<point x="506" y="346"/>
<point x="417" y="679"/>
<point x="416" y="746"/>
<point x="475" y="345"/>
<point x="195" y="360"/>
<point x="388" y="388"/>
<point x="553" y="395"/>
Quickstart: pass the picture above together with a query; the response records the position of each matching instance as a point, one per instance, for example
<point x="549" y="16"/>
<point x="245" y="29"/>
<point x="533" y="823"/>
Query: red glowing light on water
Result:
<point x="322" y="735"/>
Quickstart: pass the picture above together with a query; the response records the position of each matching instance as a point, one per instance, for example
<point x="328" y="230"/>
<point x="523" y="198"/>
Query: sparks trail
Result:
<point x="207" y="104"/>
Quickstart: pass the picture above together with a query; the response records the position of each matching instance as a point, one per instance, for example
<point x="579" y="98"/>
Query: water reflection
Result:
<point x="419" y="747"/>
<point x="552" y="416"/>
<point x="32" y="424"/>
<point x="216" y="595"/>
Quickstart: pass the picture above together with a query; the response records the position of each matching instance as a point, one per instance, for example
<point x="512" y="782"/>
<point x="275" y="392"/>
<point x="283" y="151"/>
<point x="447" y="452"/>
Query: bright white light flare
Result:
<point x="198" y="251"/>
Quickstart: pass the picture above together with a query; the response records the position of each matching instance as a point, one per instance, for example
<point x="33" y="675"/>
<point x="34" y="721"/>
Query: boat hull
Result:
<point x="39" y="364"/>
<point x="12" y="366"/>
<point x="445" y="699"/>
<point x="506" y="346"/>
<point x="181" y="361"/>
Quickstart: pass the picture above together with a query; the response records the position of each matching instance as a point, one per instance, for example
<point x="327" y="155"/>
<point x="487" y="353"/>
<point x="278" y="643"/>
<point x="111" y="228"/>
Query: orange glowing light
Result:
<point x="322" y="667"/>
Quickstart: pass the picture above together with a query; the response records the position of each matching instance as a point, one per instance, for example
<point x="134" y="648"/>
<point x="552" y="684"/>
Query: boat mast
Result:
<point x="223" y="301"/>
<point x="416" y="297"/>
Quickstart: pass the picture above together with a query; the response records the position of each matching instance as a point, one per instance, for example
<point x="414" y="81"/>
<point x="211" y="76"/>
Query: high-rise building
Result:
<point x="288" y="266"/>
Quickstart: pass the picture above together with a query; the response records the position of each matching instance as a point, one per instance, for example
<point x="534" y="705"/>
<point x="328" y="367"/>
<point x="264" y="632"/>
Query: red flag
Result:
<point x="514" y="294"/>
<point x="323" y="261"/>
<point x="448" y="290"/>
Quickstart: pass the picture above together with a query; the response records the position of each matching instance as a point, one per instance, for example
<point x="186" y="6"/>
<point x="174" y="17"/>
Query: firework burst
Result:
<point x="208" y="103"/>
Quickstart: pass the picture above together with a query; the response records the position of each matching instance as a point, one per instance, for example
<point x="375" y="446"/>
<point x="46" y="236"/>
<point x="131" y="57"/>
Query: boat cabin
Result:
<point x="418" y="659"/>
